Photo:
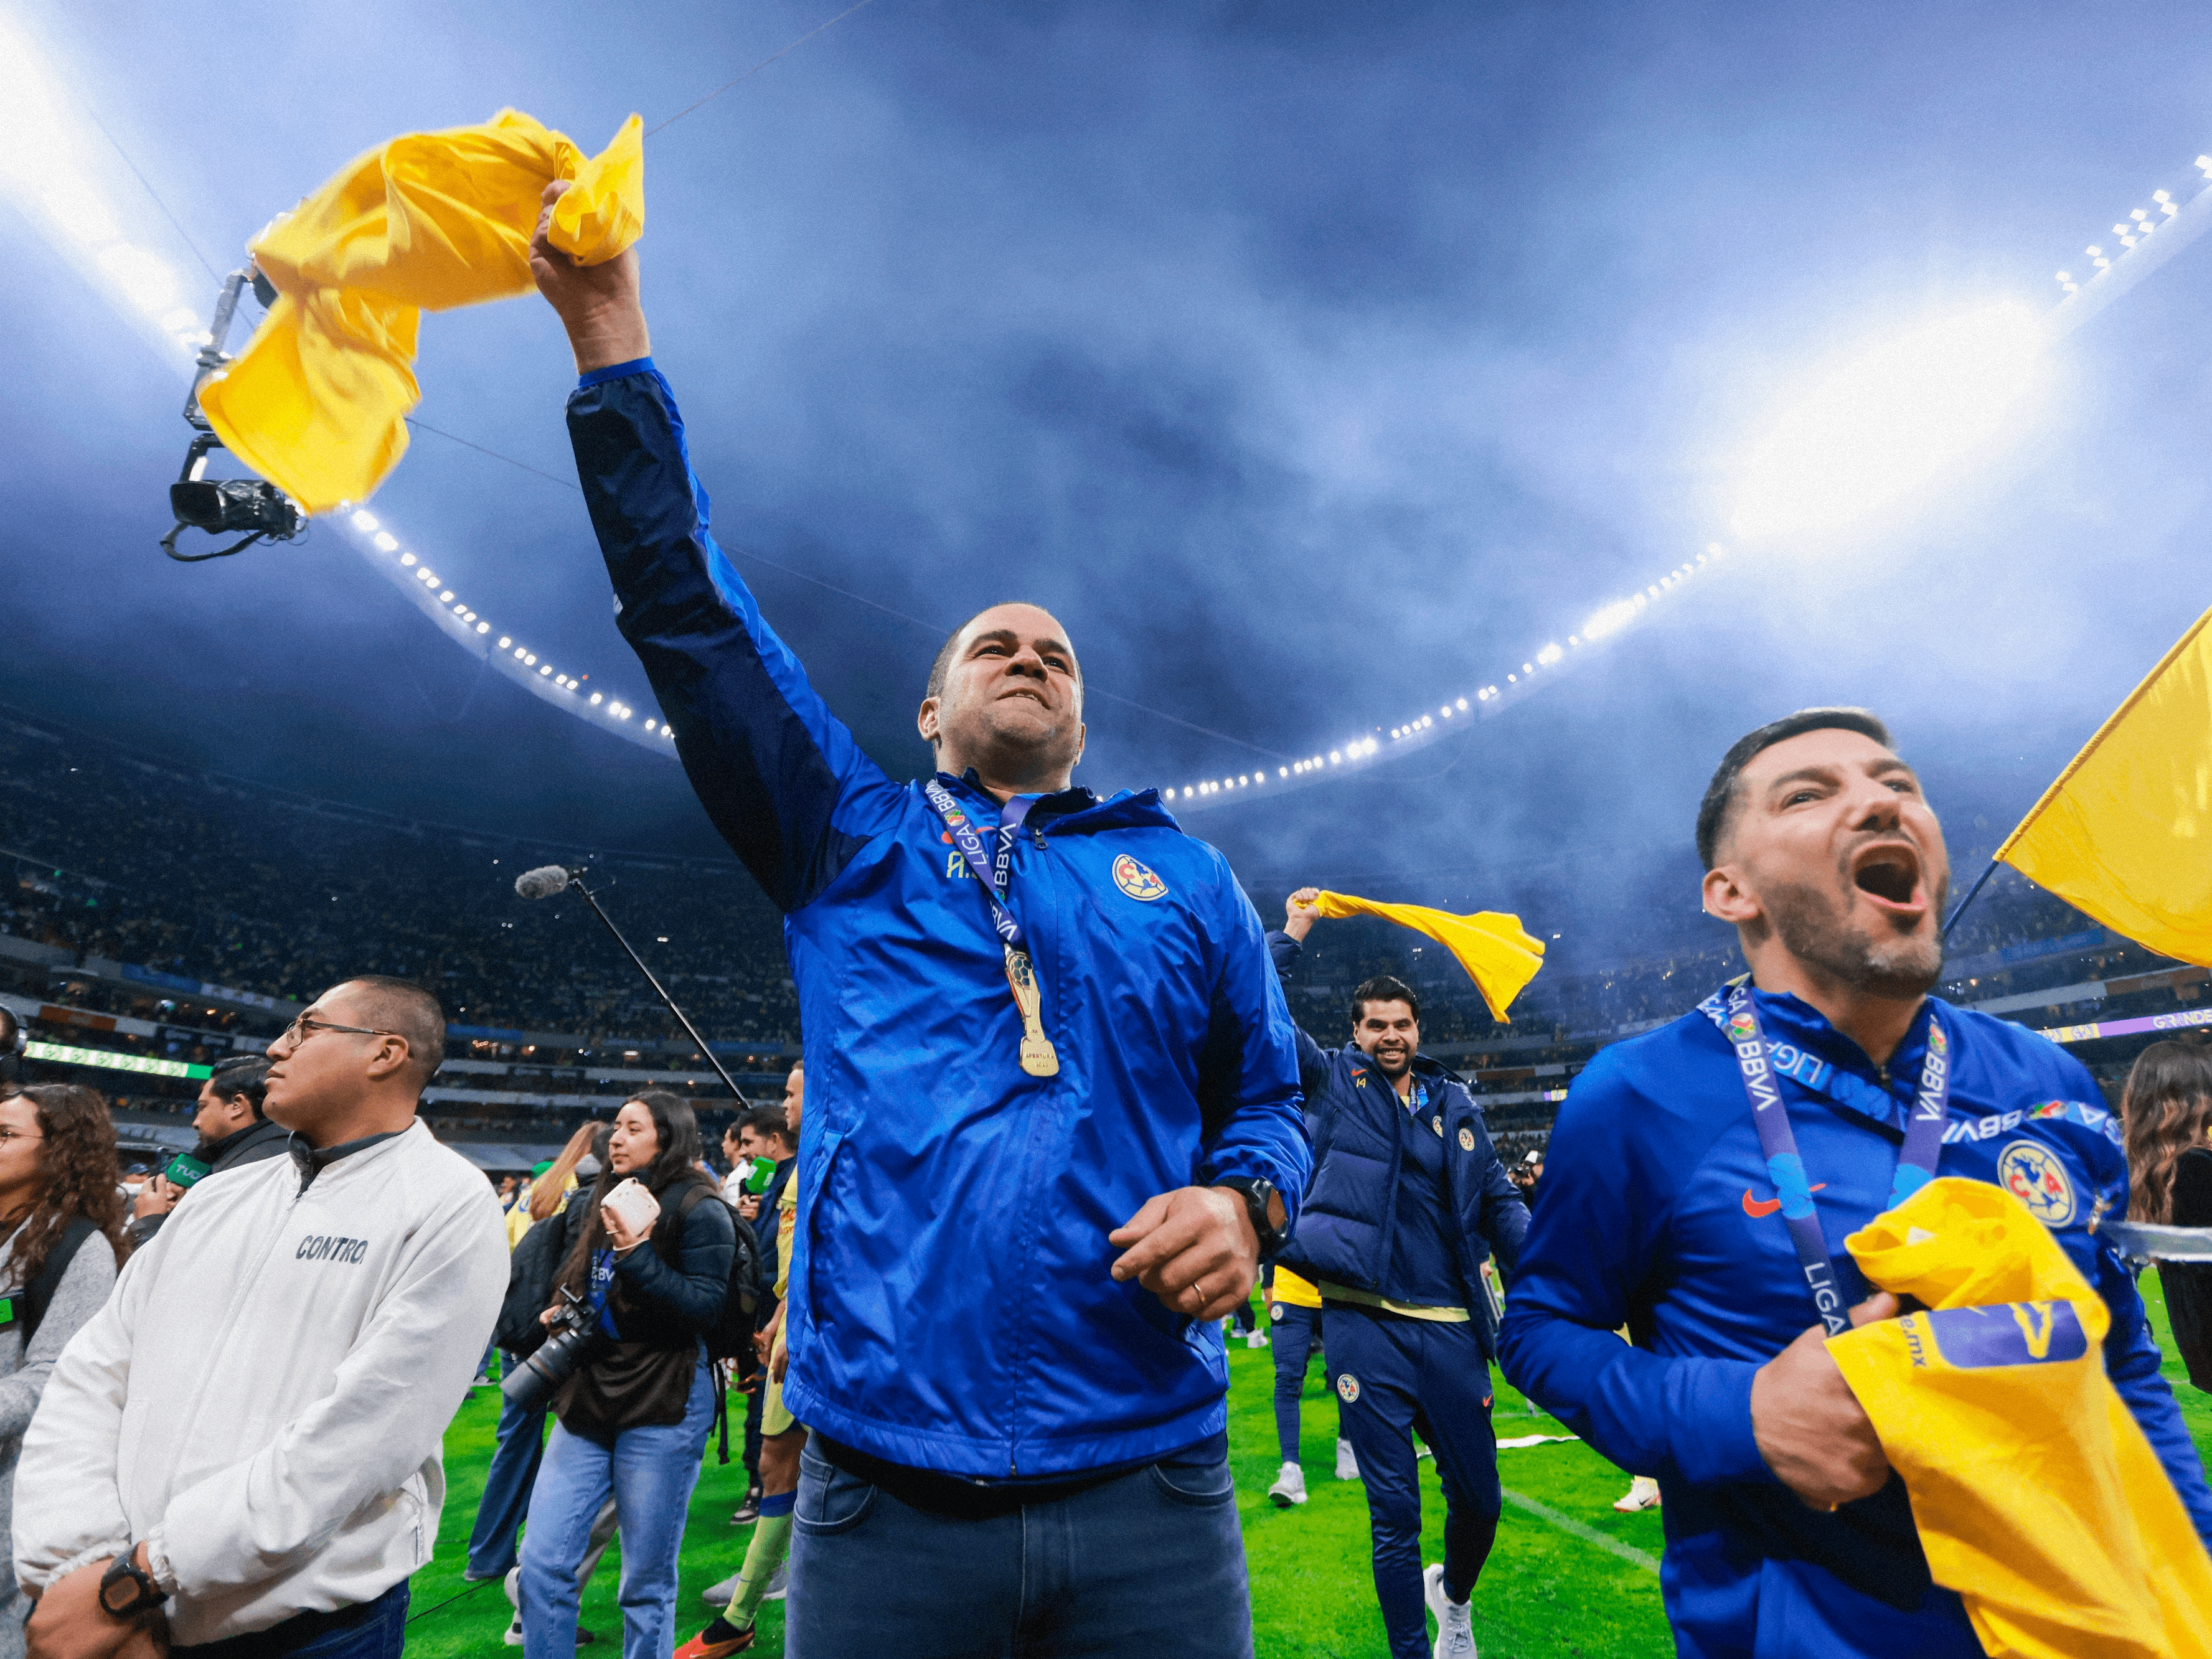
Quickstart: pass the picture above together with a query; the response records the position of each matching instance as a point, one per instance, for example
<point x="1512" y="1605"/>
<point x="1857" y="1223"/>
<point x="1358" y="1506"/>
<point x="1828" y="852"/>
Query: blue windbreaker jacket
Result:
<point x="950" y="1304"/>
<point x="1658" y="1214"/>
<point x="1348" y="1224"/>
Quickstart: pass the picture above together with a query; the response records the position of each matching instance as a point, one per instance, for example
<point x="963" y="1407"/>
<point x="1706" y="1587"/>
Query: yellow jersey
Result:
<point x="2036" y="1495"/>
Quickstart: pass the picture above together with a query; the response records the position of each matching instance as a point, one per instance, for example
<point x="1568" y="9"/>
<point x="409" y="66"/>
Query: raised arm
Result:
<point x="781" y="777"/>
<point x="1284" y="949"/>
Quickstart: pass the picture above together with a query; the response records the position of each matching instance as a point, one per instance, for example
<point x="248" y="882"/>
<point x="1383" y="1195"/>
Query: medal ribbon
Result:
<point x="1037" y="1055"/>
<point x="1777" y="1141"/>
<point x="995" y="874"/>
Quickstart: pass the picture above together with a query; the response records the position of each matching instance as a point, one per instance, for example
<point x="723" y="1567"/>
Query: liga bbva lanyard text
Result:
<point x="1777" y="1141"/>
<point x="1037" y="1056"/>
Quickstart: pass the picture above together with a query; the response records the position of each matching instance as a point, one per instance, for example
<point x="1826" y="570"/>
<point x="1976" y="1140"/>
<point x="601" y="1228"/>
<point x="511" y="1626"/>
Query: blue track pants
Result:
<point x="1395" y="1375"/>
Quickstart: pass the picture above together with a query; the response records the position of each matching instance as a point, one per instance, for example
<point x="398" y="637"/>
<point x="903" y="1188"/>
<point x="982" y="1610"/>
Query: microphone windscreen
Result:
<point x="541" y="882"/>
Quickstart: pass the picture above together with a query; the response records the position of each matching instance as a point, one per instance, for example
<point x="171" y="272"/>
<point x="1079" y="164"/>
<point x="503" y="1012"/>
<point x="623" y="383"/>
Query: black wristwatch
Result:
<point x="145" y="1595"/>
<point x="1257" y="1195"/>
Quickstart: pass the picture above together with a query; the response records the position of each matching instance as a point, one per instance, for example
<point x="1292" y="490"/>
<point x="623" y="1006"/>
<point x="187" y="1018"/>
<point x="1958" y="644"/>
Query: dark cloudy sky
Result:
<point x="1314" y="362"/>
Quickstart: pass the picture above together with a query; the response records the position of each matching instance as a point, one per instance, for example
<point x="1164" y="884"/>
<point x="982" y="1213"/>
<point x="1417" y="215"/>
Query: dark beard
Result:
<point x="1811" y="930"/>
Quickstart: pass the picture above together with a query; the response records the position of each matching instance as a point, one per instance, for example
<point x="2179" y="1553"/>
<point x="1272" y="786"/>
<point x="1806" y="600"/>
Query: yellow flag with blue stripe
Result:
<point x="1500" y="956"/>
<point x="2125" y="834"/>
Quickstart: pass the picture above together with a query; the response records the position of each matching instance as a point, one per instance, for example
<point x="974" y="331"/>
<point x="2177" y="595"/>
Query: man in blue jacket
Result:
<point x="1053" y="1107"/>
<point x="1787" y="1534"/>
<point x="1409" y="1200"/>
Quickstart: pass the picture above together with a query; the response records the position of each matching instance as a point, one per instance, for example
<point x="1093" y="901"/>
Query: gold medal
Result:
<point x="1038" y="1059"/>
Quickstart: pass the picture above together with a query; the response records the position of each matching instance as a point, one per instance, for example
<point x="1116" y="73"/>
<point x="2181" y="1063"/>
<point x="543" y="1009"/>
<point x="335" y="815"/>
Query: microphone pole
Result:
<point x="576" y="881"/>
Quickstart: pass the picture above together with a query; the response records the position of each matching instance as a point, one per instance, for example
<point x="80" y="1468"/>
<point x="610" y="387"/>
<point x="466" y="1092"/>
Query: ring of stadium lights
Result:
<point x="1542" y="665"/>
<point x="460" y="624"/>
<point x="2149" y="237"/>
<point x="47" y="175"/>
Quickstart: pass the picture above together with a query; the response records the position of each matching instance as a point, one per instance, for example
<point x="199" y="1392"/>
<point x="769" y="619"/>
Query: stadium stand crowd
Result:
<point x="186" y="883"/>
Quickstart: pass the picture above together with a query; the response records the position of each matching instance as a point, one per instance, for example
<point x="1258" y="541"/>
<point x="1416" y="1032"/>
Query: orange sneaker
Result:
<point x="700" y="1648"/>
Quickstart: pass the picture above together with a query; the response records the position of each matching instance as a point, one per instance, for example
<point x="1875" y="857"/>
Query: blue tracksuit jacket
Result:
<point x="1658" y="1214"/>
<point x="1348" y="1226"/>
<point x="950" y="1305"/>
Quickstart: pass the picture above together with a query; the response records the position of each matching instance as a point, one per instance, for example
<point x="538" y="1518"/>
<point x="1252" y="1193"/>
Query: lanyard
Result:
<point x="1037" y="1056"/>
<point x="1916" y="1164"/>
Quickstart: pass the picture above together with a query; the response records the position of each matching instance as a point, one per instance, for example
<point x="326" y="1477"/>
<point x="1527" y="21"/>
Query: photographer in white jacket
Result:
<point x="243" y="1445"/>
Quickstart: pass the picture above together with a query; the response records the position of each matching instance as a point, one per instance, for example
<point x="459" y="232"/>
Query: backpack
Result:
<point x="39" y="1293"/>
<point x="731" y="1337"/>
<point x="530" y="1273"/>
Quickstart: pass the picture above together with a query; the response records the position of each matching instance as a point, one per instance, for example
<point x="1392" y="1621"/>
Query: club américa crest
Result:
<point x="1137" y="880"/>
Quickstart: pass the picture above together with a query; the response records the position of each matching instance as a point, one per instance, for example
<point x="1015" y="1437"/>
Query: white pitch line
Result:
<point x="1567" y="1523"/>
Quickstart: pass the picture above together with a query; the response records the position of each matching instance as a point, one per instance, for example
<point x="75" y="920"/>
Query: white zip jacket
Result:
<point x="262" y="1401"/>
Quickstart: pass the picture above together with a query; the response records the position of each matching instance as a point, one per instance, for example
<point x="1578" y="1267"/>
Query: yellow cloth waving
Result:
<point x="317" y="402"/>
<point x="2037" y="1496"/>
<point x="1498" y="956"/>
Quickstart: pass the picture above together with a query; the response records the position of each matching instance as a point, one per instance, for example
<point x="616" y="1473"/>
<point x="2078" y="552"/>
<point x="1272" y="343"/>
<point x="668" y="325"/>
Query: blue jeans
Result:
<point x="1150" y="1565"/>
<point x="368" y="1630"/>
<point x="1297" y="1333"/>
<point x="1402" y="1374"/>
<point x="506" y="1501"/>
<point x="650" y="1471"/>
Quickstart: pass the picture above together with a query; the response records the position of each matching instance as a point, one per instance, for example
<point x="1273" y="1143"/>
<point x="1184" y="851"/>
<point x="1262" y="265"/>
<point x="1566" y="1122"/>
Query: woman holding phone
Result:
<point x="651" y="1264"/>
<point x="61" y="1217"/>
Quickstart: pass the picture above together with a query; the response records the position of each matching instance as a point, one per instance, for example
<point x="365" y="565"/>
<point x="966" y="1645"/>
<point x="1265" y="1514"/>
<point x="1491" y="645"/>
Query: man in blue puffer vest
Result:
<point x="1787" y="1536"/>
<point x="1409" y="1200"/>
<point x="1053" y="1111"/>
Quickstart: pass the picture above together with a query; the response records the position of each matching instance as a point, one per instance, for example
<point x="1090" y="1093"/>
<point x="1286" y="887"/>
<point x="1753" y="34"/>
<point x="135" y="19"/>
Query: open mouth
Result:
<point x="1889" y="873"/>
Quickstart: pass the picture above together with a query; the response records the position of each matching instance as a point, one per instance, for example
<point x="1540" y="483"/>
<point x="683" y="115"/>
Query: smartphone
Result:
<point x="638" y="1207"/>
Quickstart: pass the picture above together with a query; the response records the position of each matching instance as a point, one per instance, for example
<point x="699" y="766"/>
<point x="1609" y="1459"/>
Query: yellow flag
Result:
<point x="317" y="404"/>
<point x="2036" y="1493"/>
<point x="1499" y="957"/>
<point x="2125" y="834"/>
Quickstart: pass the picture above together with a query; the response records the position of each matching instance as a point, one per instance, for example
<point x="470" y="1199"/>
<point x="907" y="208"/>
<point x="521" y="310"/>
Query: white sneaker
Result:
<point x="1643" y="1494"/>
<point x="1347" y="1466"/>
<point x="514" y="1589"/>
<point x="1256" y="1338"/>
<point x="1290" y="1486"/>
<point x="718" y="1596"/>
<point x="779" y="1583"/>
<point x="514" y="1637"/>
<point x="1455" y="1619"/>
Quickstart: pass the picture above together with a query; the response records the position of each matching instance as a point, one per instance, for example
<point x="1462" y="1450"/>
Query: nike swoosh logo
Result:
<point x="1757" y="1208"/>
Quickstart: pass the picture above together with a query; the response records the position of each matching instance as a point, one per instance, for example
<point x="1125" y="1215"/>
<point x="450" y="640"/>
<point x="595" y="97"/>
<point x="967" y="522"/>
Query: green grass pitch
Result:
<point x="1549" y="1591"/>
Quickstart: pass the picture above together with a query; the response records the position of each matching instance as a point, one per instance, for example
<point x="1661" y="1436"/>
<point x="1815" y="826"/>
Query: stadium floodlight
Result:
<point x="1892" y="419"/>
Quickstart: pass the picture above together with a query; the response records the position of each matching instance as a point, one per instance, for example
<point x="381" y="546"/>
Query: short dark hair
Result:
<point x="1384" y="987"/>
<point x="766" y="1122"/>
<point x="1715" y="811"/>
<point x="402" y="1006"/>
<point x="242" y="1074"/>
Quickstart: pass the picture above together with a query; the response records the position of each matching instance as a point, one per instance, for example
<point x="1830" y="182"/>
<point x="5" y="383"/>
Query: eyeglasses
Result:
<point x="303" y="1027"/>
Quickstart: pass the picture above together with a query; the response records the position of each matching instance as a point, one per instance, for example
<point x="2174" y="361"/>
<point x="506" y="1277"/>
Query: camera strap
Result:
<point x="1777" y="1141"/>
<point x="1038" y="1057"/>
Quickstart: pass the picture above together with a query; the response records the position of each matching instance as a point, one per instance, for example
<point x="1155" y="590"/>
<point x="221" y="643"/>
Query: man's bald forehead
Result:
<point x="1006" y="616"/>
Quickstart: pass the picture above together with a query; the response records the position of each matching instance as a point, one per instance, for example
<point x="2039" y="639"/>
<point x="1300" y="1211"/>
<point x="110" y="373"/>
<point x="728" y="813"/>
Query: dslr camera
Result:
<point x="573" y="1341"/>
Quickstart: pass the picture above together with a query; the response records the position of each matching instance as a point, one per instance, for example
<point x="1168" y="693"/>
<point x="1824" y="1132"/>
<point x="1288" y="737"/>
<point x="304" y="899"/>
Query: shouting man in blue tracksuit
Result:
<point x="1787" y="1533"/>
<point x="1407" y="1201"/>
<point x="1052" y="1111"/>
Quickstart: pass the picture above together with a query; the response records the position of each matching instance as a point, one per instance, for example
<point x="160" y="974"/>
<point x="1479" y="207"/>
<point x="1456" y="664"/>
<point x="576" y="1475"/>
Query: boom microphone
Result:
<point x="542" y="882"/>
<point x="548" y="879"/>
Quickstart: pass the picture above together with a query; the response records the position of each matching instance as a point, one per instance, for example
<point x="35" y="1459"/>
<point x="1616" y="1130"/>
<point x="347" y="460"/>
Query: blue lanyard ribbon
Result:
<point x="996" y="874"/>
<point x="1777" y="1141"/>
